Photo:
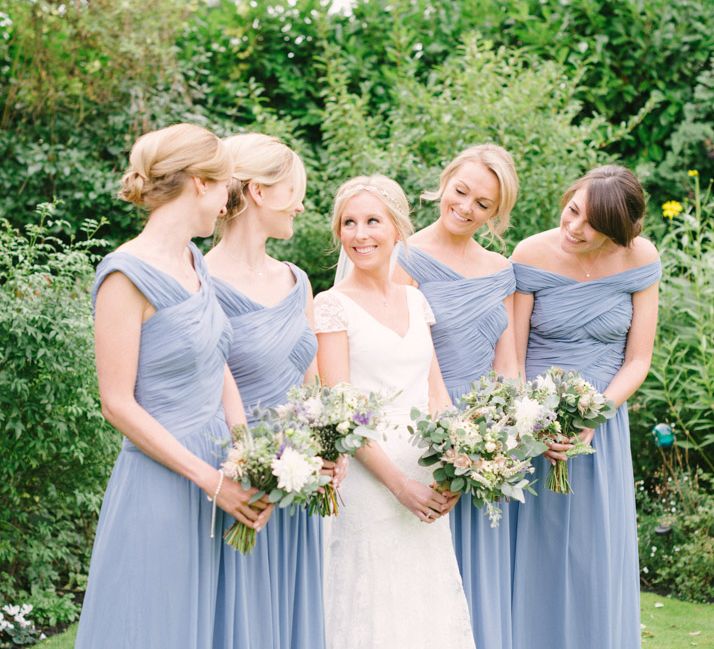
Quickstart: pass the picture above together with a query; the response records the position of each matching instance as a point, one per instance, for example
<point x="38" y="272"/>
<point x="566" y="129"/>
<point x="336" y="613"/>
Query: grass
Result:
<point x="673" y="625"/>
<point x="63" y="641"/>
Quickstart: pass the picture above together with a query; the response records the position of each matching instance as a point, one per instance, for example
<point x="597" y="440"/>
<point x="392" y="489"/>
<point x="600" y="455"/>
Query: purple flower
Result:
<point x="279" y="454"/>
<point x="362" y="418"/>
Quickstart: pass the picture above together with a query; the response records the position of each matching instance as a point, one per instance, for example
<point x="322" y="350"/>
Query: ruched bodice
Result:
<point x="578" y="552"/>
<point x="183" y="345"/>
<point x="272" y="597"/>
<point x="470" y="316"/>
<point x="153" y="534"/>
<point x="272" y="346"/>
<point x="581" y="325"/>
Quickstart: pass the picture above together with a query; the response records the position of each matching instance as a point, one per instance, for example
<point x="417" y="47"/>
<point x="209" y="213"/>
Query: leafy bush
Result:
<point x="56" y="447"/>
<point x="676" y="531"/>
<point x="691" y="145"/>
<point x="680" y="386"/>
<point x="72" y="58"/>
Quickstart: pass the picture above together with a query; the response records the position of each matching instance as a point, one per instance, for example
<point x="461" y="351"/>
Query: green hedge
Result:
<point x="56" y="447"/>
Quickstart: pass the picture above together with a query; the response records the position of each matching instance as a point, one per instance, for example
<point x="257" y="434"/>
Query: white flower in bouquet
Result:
<point x="313" y="408"/>
<point x="284" y="410"/>
<point x="546" y="384"/>
<point x="294" y="470"/>
<point x="230" y="469"/>
<point x="584" y="403"/>
<point x="528" y="412"/>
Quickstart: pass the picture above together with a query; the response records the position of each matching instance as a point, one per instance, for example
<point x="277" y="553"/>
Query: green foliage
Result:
<point x="680" y="387"/>
<point x="56" y="447"/>
<point x="676" y="531"/>
<point x="74" y="57"/>
<point x="691" y="145"/>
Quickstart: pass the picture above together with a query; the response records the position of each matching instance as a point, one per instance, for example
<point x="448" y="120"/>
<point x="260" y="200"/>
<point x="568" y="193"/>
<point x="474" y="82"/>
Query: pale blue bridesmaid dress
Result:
<point x="576" y="574"/>
<point x="470" y="318"/>
<point x="278" y="586"/>
<point x="154" y="570"/>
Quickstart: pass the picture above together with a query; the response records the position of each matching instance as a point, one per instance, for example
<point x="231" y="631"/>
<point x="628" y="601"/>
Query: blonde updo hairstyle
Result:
<point x="386" y="190"/>
<point x="500" y="163"/>
<point x="161" y="162"/>
<point x="265" y="160"/>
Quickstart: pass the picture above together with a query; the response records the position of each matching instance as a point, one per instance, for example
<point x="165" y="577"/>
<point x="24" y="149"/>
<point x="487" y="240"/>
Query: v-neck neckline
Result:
<point x="260" y="305"/>
<point x="155" y="268"/>
<point x="381" y="324"/>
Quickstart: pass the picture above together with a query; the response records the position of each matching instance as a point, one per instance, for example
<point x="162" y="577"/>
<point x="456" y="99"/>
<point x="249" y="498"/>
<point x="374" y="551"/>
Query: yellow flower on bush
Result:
<point x="670" y="209"/>
<point x="692" y="173"/>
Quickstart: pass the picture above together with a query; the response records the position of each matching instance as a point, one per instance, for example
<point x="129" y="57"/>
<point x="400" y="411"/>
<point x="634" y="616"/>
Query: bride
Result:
<point x="391" y="577"/>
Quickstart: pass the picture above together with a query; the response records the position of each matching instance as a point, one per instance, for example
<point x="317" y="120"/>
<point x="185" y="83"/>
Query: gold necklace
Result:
<point x="587" y="273"/>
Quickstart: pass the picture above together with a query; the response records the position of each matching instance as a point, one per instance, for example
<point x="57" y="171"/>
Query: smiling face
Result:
<point x="470" y="198"/>
<point x="576" y="234"/>
<point x="367" y="232"/>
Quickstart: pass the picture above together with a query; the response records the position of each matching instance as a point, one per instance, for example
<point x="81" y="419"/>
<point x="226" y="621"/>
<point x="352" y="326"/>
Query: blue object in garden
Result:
<point x="663" y="435"/>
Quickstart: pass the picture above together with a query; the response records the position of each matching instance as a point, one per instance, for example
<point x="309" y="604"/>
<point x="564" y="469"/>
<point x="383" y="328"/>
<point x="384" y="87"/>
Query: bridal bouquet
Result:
<point x="575" y="405"/>
<point x="503" y="404"/>
<point x="339" y="419"/>
<point x="473" y="455"/>
<point x="282" y="462"/>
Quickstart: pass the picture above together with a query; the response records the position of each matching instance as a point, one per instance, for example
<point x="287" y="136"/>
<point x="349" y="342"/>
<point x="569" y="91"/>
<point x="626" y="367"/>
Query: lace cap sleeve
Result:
<point x="330" y="313"/>
<point x="426" y="308"/>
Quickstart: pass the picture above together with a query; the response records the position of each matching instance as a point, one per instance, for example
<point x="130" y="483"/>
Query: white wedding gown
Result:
<point x="391" y="581"/>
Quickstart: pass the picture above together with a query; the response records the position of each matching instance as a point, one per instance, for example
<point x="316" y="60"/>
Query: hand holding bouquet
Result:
<point x="471" y="457"/>
<point x="282" y="463"/>
<point x="339" y="419"/>
<point x="576" y="405"/>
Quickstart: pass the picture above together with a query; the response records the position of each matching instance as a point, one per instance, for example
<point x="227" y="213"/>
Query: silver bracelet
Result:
<point x="213" y="500"/>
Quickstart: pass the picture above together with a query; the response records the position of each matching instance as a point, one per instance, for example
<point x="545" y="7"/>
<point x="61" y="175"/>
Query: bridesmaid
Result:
<point x="269" y="305"/>
<point x="470" y="290"/>
<point x="161" y="347"/>
<point x="587" y="301"/>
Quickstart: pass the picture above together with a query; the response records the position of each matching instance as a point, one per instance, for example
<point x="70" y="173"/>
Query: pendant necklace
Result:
<point x="587" y="273"/>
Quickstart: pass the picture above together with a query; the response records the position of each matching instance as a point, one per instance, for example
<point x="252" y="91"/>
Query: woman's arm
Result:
<point x="311" y="373"/>
<point x="119" y="314"/>
<point x="522" y="310"/>
<point x="232" y="402"/>
<point x="439" y="399"/>
<point x="640" y="343"/>
<point x="505" y="361"/>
